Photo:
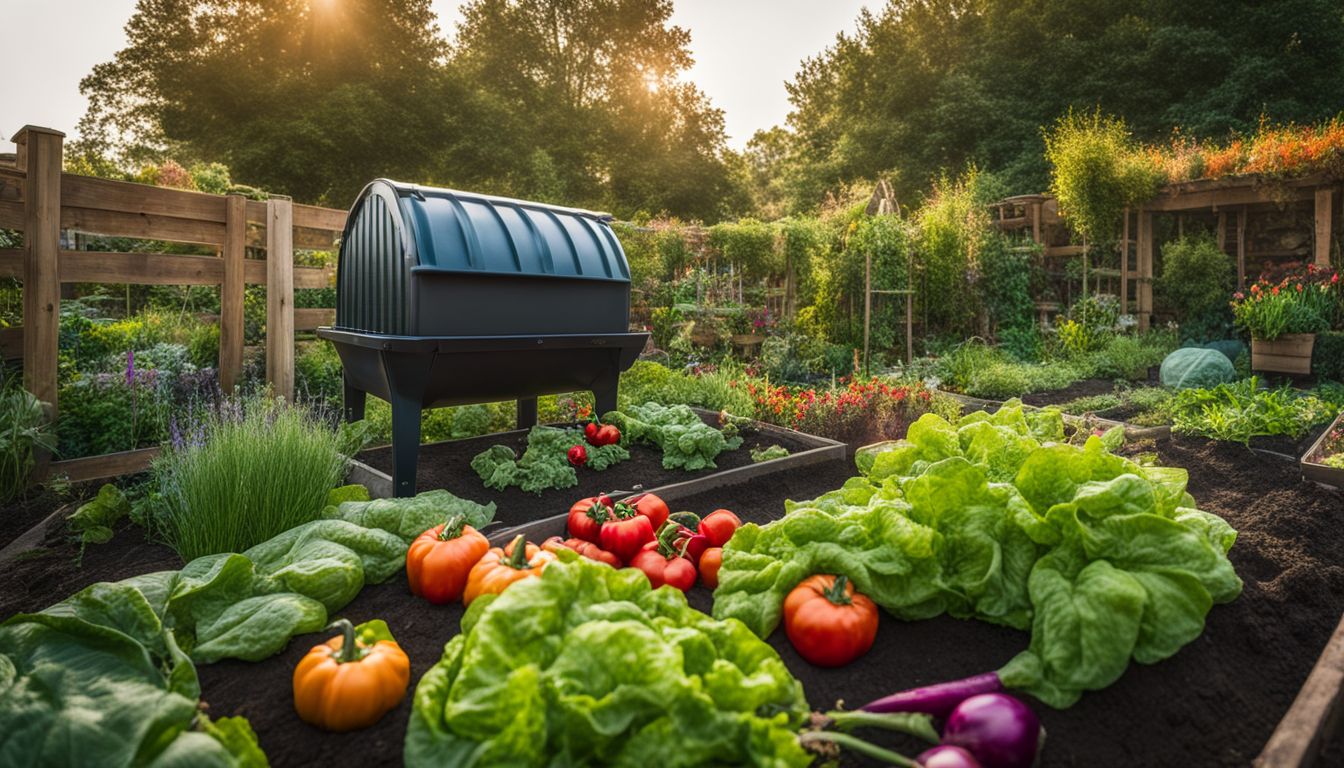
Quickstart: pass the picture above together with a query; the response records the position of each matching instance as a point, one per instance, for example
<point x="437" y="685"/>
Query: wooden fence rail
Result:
<point x="37" y="198"/>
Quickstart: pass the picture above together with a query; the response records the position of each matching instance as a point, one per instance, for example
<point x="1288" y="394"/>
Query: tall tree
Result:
<point x="585" y="104"/>
<point x="924" y="85"/>
<point x="311" y="97"/>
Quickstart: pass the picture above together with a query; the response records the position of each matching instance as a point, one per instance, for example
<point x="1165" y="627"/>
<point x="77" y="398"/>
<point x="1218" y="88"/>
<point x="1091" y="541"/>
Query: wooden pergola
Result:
<point x="1254" y="220"/>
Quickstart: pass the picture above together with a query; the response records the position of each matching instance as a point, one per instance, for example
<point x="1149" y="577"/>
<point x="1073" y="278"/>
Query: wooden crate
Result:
<point x="1290" y="353"/>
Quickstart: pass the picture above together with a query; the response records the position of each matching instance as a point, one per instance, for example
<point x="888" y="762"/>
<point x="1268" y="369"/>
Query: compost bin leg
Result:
<point x="354" y="402"/>
<point x="527" y="413"/>
<point x="604" y="398"/>
<point x="405" y="444"/>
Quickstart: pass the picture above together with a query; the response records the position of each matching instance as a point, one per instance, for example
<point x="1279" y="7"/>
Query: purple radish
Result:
<point x="998" y="729"/>
<point x="937" y="700"/>
<point x="947" y="756"/>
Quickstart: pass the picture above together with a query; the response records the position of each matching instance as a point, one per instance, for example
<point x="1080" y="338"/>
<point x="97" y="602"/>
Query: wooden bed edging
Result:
<point x="102" y="467"/>
<point x="1315" y="714"/>
<point x="379" y="483"/>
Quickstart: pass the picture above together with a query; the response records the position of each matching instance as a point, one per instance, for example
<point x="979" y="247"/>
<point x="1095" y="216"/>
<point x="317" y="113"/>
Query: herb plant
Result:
<point x="1241" y="410"/>
<point x="24" y="429"/>
<point x="243" y="472"/>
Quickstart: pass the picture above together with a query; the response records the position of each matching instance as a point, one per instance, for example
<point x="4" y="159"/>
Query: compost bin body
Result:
<point x="450" y="298"/>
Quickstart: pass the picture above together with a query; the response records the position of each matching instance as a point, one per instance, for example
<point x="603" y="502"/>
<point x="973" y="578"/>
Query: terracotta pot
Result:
<point x="1290" y="353"/>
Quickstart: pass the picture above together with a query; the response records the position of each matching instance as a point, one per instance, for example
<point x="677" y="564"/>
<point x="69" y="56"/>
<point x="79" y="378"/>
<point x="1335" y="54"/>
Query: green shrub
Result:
<point x="1089" y="325"/>
<point x="110" y="412"/>
<point x="318" y="376"/>
<point x="23" y="429"/>
<point x="1196" y="281"/>
<point x="246" y="471"/>
<point x="1126" y="357"/>
<point x="1327" y="357"/>
<point x="1005" y="284"/>
<point x="203" y="345"/>
<point x="1097" y="170"/>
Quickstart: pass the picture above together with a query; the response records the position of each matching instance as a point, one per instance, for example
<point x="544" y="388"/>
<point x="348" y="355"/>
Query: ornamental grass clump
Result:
<point x="244" y="472"/>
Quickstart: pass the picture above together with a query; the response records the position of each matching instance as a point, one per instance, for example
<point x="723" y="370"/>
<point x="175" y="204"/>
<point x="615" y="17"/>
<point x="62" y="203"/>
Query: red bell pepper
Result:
<point x="626" y="532"/>
<point x="586" y="517"/>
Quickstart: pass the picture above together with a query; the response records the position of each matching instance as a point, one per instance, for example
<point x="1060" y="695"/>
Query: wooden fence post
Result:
<point x="280" y="297"/>
<point x="1145" y="276"/>
<point x="1324" y="213"/>
<point x="231" y="292"/>
<point x="41" y="150"/>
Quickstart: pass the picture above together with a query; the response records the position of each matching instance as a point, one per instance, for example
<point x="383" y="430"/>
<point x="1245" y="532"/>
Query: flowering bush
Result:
<point x="1273" y="150"/>
<point x="1291" y="305"/>
<point x="862" y="408"/>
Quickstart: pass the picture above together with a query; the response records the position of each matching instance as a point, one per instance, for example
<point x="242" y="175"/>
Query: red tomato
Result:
<point x="673" y="571"/>
<point x="577" y="455"/>
<point x="607" y="434"/>
<point x="710" y="562"/>
<point x="590" y="432"/>
<point x="586" y="517"/>
<point x="718" y="527"/>
<point x="625" y="533"/>
<point x="651" y="507"/>
<point x="828" y="623"/>
<point x="585" y="548"/>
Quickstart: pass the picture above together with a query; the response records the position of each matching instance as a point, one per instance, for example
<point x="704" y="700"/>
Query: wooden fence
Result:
<point x="37" y="198"/>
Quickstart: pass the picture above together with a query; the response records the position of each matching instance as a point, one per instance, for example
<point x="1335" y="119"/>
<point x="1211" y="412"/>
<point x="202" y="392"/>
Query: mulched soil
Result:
<point x="448" y="465"/>
<point x="1213" y="704"/>
<point x="1083" y="388"/>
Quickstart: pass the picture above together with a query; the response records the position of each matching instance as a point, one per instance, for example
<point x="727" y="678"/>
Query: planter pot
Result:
<point x="1290" y="353"/>
<point x="747" y="339"/>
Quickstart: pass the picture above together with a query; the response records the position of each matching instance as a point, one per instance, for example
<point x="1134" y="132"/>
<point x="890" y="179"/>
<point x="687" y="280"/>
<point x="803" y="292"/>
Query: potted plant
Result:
<point x="1283" y="319"/>
<point x="749" y="327"/>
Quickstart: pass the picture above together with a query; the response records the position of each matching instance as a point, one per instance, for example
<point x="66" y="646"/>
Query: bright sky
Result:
<point x="744" y="52"/>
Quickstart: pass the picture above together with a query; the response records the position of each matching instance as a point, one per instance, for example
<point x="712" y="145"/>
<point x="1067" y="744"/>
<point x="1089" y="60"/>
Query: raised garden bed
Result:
<point x="1313" y="466"/>
<point x="447" y="465"/>
<point x="1216" y="702"/>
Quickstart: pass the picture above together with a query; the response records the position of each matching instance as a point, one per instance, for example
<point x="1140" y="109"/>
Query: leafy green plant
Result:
<point x="1241" y="410"/>
<point x="24" y="429"/>
<point x="952" y="226"/>
<point x="732" y="702"/>
<point x="1005" y="285"/>
<point x="544" y="465"/>
<point x="1090" y="324"/>
<point x="93" y="520"/>
<point x="686" y="441"/>
<point x="244" y="472"/>
<point x="1102" y="559"/>
<point x="1097" y="170"/>
<point x="770" y="453"/>
<point x="1195" y="282"/>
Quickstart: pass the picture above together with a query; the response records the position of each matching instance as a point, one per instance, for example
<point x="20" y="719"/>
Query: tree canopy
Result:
<point x="568" y="100"/>
<point x="926" y="85"/>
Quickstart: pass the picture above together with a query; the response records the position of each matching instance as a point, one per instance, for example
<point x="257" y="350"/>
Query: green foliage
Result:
<point x="110" y="412"/>
<point x="1097" y="170"/>
<point x="1090" y="324"/>
<point x="747" y="244"/>
<point x="24" y="429"/>
<point x="770" y="453"/>
<point x="94" y="519"/>
<point x="1102" y="559"/>
<point x="617" y="654"/>
<point x="889" y="240"/>
<point x="716" y="390"/>
<point x="687" y="442"/>
<point x="1241" y="410"/>
<point x="1196" y="281"/>
<point x="243" y="473"/>
<point x="952" y="228"/>
<point x="118" y="656"/>
<point x="318" y="376"/>
<point x="1327" y="356"/>
<point x="1193" y="368"/>
<point x="544" y="465"/>
<point x="1005" y="274"/>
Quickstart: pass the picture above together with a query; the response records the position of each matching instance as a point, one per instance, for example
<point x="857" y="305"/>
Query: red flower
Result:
<point x="1299" y="287"/>
<point x="1276" y="290"/>
<point x="1334" y="279"/>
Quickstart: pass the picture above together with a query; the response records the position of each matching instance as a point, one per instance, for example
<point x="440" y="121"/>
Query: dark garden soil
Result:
<point x="21" y="514"/>
<point x="1215" y="703"/>
<point x="448" y="465"/>
<point x="1083" y="388"/>
<point x="55" y="570"/>
<point x="1287" y="445"/>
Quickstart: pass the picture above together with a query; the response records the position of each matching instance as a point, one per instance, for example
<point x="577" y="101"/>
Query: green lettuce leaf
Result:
<point x="588" y="665"/>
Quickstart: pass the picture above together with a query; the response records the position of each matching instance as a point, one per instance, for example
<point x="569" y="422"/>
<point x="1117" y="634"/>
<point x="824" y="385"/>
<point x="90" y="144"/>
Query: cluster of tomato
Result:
<point x="597" y="435"/>
<point x="641" y="532"/>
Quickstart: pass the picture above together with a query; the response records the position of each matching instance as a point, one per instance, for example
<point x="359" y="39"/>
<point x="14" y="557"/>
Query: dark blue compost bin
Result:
<point x="450" y="298"/>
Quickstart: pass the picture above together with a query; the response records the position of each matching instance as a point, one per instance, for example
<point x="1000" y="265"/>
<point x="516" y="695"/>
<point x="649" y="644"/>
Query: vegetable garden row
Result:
<point x="1141" y="613"/>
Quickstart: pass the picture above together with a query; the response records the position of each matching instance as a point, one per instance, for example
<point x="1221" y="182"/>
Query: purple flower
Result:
<point x="130" y="367"/>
